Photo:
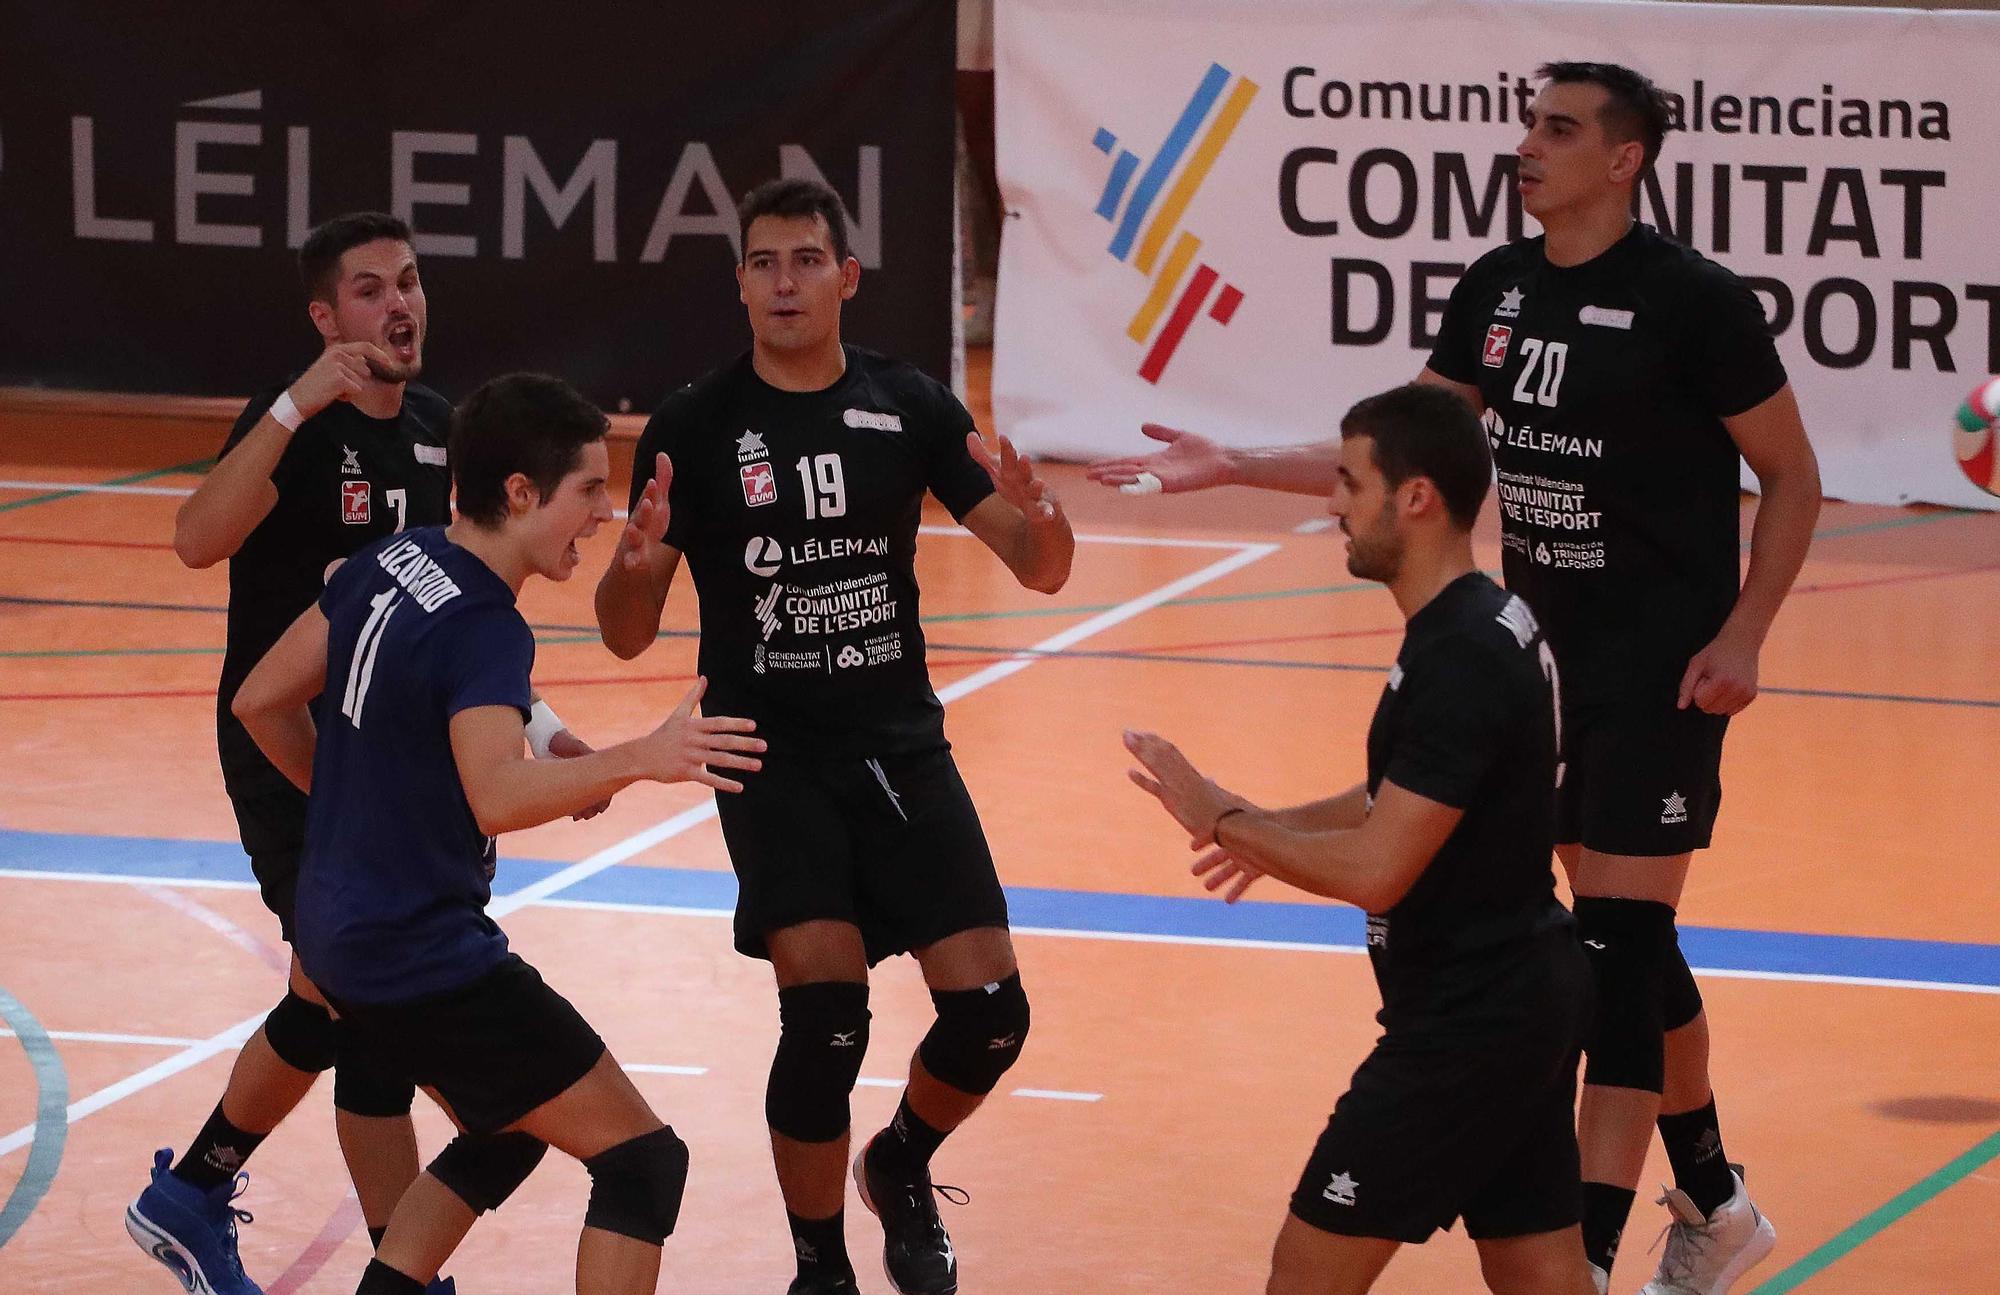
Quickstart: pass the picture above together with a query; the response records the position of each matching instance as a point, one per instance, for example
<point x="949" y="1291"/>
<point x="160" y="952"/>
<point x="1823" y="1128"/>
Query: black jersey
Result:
<point x="1468" y="719"/>
<point x="797" y="512"/>
<point x="1605" y="386"/>
<point x="344" y="481"/>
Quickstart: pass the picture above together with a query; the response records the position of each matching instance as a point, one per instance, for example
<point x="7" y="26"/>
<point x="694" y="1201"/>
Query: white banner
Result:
<point x="1240" y="216"/>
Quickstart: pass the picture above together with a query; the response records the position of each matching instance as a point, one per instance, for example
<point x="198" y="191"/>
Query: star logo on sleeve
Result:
<point x="1341" y="1190"/>
<point x="1510" y="304"/>
<point x="1676" y="810"/>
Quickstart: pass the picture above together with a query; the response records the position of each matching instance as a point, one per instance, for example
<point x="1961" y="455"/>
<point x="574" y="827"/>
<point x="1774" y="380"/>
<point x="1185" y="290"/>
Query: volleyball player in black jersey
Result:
<point x="1464" y="1108"/>
<point x="791" y="480"/>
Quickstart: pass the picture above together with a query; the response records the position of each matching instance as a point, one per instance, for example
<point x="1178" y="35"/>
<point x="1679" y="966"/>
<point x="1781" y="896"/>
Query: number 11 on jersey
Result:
<point x="826" y="487"/>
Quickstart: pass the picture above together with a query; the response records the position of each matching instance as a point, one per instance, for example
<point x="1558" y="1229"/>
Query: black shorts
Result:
<point x="493" y="1049"/>
<point x="892" y="845"/>
<point x="1469" y="1119"/>
<point x="271" y="821"/>
<point x="1640" y="776"/>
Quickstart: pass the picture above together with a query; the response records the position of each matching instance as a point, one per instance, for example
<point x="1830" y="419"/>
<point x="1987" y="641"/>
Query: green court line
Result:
<point x="1897" y="523"/>
<point x="193" y="465"/>
<point x="45" y="1153"/>
<point x="1871" y="1225"/>
<point x="47" y="653"/>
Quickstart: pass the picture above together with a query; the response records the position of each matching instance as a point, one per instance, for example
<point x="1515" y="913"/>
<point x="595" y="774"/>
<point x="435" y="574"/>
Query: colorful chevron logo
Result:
<point x="1138" y="240"/>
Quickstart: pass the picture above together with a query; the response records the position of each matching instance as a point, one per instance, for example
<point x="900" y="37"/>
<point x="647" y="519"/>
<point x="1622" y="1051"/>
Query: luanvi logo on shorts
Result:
<point x="1676" y="809"/>
<point x="1127" y="205"/>
<point x="1341" y="1190"/>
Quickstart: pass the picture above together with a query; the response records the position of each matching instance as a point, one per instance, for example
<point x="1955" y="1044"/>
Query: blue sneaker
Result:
<point x="192" y="1232"/>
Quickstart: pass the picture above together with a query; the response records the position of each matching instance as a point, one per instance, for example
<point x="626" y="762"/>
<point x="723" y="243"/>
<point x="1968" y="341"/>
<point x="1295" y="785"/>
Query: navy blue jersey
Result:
<point x="396" y="874"/>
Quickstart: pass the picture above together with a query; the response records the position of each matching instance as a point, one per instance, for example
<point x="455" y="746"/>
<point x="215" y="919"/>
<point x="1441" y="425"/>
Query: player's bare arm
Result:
<point x="1371" y="866"/>
<point x="237" y="494"/>
<point x="1220" y="870"/>
<point x="1022" y="521"/>
<point x="273" y="703"/>
<point x="1722" y="678"/>
<point x="508" y="791"/>
<point x="1191" y="461"/>
<point x="633" y="592"/>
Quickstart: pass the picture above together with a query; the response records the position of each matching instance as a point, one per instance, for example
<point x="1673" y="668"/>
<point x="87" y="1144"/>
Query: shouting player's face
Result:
<point x="379" y="298"/>
<point x="792" y="283"/>
<point x="580" y="503"/>
<point x="1366" y="509"/>
<point x="1568" y="162"/>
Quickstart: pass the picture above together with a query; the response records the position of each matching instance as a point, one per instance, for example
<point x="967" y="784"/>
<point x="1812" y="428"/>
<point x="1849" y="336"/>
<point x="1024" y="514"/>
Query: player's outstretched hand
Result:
<point x="565" y="745"/>
<point x="1014" y="478"/>
<point x="1190" y="462"/>
<point x="1721" y="678"/>
<point x="1194" y="801"/>
<point x="340" y="373"/>
<point x="683" y="748"/>
<point x="1219" y="868"/>
<point x="648" y="523"/>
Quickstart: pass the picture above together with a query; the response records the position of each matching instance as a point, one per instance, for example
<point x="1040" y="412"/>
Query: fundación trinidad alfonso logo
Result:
<point x="1127" y="205"/>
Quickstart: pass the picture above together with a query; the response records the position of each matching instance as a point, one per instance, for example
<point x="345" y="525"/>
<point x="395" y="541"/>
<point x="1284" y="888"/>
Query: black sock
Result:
<point x="375" y="1236"/>
<point x="910" y="1143"/>
<point x="1605" y="1209"/>
<point x="216" y="1153"/>
<point x="380" y="1279"/>
<point x="1694" y="1146"/>
<point x="821" y="1246"/>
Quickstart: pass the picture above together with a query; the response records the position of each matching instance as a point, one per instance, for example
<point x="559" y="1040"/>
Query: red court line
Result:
<point x="160" y="695"/>
<point x="1905" y="579"/>
<point x="346" y="1217"/>
<point x="82" y="544"/>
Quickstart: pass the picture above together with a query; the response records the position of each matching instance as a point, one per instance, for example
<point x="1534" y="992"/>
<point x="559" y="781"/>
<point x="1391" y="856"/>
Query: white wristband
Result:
<point x="285" y="413"/>
<point x="543" y="725"/>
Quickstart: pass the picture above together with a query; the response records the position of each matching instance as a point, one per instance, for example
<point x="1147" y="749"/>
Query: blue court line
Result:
<point x="1170" y="152"/>
<point x="1163" y="917"/>
<point x="51" y="1116"/>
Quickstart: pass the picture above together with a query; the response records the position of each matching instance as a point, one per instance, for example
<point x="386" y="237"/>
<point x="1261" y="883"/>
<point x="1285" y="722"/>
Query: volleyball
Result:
<point x="1976" y="436"/>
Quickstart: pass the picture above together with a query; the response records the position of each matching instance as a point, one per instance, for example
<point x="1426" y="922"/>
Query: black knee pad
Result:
<point x="1680" y="997"/>
<point x="1629" y="943"/>
<point x="636" y="1187"/>
<point x="977" y="1036"/>
<point x="483" y="1169"/>
<point x="302" y="1033"/>
<point x="359" y="1088"/>
<point x="822" y="1036"/>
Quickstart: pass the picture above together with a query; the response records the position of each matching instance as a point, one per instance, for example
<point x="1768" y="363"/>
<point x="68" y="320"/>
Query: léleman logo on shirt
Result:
<point x="875" y="422"/>
<point x="1605" y="317"/>
<point x="431" y="455"/>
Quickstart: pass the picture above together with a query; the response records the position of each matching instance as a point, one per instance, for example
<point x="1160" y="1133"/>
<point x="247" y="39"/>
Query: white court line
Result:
<point x="1313" y="526"/>
<point x="92" y="1036"/>
<point x="865" y="1082"/>
<point x="641" y="1068"/>
<point x="1058" y="1095"/>
<point x="1084" y="933"/>
<point x="124" y="879"/>
<point x="87" y="488"/>
<point x="233" y="1036"/>
<point x="1137" y="541"/>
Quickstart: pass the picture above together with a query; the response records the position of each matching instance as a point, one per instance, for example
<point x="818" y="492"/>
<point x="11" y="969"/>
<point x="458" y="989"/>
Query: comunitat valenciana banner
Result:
<point x="1242" y="215"/>
<point x="572" y="173"/>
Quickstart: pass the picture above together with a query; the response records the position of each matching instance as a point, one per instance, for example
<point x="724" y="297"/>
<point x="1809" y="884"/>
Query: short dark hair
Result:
<point x="319" y="255"/>
<point x="792" y="199"/>
<point x="529" y="423"/>
<point x="1634" y="109"/>
<point x="1422" y="430"/>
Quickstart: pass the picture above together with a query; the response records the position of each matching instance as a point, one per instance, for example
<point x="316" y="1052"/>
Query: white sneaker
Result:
<point x="1705" y="1256"/>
